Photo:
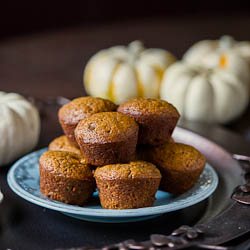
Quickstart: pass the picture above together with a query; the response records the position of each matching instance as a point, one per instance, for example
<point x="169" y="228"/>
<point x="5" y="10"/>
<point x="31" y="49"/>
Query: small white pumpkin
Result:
<point x="202" y="94"/>
<point x="1" y="196"/>
<point x="225" y="53"/>
<point x="120" y="72"/>
<point x="19" y="127"/>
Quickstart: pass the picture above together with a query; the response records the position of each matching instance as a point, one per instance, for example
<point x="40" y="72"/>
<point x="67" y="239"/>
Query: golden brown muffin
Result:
<point x="65" y="177"/>
<point x="106" y="138"/>
<point x="71" y="113"/>
<point x="156" y="118"/>
<point x="125" y="186"/>
<point x="180" y="165"/>
<point x="62" y="143"/>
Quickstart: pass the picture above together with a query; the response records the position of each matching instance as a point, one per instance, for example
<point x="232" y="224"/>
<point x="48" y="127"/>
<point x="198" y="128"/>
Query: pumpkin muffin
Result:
<point x="156" y="118"/>
<point x="180" y="165"/>
<point x="71" y="113"/>
<point x="65" y="177"/>
<point x="125" y="186"/>
<point x="106" y="138"/>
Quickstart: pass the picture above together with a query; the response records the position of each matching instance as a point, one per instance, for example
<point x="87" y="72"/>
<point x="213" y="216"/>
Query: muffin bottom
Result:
<point x="178" y="182"/>
<point x="68" y="130"/>
<point x="155" y="130"/>
<point x="127" y="194"/>
<point x="109" y="153"/>
<point x="67" y="190"/>
<point x="180" y="166"/>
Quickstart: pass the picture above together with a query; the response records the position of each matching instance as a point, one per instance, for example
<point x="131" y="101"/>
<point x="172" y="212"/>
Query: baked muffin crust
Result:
<point x="64" y="177"/>
<point x="62" y="143"/>
<point x="71" y="113"/>
<point x="66" y="164"/>
<point x="131" y="170"/>
<point x="106" y="138"/>
<point x="148" y="106"/>
<point x="83" y="107"/>
<point x="106" y="127"/>
<point x="180" y="166"/>
<point x="125" y="186"/>
<point x="156" y="118"/>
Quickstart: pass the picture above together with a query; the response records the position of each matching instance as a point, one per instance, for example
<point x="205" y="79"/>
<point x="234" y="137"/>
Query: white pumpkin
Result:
<point x="19" y="127"/>
<point x="1" y="196"/>
<point x="225" y="53"/>
<point x="202" y="94"/>
<point x="120" y="72"/>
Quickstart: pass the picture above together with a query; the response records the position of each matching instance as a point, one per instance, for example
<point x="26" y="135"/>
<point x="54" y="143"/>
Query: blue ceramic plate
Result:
<point x="23" y="179"/>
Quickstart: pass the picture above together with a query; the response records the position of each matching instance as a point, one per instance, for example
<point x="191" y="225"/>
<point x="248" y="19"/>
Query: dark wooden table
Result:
<point x="51" y="64"/>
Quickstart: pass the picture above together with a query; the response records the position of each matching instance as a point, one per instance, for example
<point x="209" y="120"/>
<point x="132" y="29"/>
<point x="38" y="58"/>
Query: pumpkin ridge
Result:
<point x="159" y="71"/>
<point x="209" y="80"/>
<point x="194" y="74"/>
<point x="140" y="86"/>
<point x="101" y="55"/>
<point x="233" y="87"/>
<point x="110" y="93"/>
<point x="223" y="61"/>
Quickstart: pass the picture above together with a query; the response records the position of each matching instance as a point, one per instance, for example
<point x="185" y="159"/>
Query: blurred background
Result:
<point x="24" y="17"/>
<point x="44" y="45"/>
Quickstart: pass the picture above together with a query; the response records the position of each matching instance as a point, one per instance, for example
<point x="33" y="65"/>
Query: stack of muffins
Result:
<point x="126" y="151"/>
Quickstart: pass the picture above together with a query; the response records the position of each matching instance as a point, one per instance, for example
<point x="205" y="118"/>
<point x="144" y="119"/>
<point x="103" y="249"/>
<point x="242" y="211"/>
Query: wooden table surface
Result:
<point x="51" y="64"/>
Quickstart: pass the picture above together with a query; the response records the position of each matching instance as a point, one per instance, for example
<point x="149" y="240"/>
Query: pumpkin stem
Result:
<point x="134" y="48"/>
<point x="226" y="42"/>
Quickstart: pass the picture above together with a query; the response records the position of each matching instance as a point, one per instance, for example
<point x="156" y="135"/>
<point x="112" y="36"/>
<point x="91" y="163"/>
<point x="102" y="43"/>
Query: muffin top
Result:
<point x="147" y="106"/>
<point x="131" y="170"/>
<point x="65" y="164"/>
<point x="177" y="156"/>
<point x="106" y="127"/>
<point x="62" y="143"/>
<point x="83" y="107"/>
